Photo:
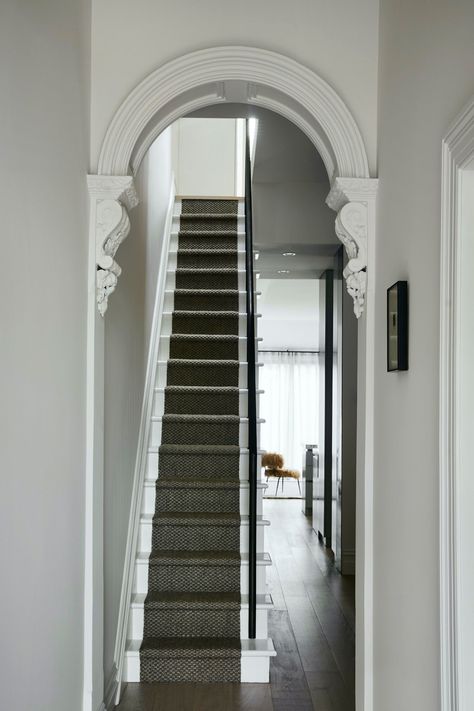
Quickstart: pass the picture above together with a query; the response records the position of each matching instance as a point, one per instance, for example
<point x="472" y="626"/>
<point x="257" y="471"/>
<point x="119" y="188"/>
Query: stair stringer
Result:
<point x="142" y="452"/>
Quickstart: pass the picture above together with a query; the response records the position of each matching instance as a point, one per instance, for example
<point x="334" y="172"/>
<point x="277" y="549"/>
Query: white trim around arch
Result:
<point x="273" y="81"/>
<point x="288" y="88"/>
<point x="457" y="153"/>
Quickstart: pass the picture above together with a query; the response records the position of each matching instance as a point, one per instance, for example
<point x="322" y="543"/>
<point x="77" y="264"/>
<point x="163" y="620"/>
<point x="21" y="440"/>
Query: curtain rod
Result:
<point x="286" y="350"/>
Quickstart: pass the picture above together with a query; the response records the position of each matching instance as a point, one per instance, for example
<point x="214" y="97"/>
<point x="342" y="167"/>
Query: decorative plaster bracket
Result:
<point x="110" y="197"/>
<point x="351" y="198"/>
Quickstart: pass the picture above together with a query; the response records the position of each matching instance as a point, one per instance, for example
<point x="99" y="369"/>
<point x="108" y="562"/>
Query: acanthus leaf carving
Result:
<point x="351" y="229"/>
<point x="112" y="227"/>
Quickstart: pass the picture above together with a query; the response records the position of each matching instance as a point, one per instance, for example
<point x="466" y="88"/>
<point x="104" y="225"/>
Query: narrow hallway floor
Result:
<point x="312" y="626"/>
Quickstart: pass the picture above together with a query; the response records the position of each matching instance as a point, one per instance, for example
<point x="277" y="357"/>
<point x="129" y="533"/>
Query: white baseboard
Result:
<point x="348" y="562"/>
<point x="110" y="691"/>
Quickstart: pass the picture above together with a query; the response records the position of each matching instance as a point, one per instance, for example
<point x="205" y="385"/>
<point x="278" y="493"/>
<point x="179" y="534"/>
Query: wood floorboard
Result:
<point x="312" y="625"/>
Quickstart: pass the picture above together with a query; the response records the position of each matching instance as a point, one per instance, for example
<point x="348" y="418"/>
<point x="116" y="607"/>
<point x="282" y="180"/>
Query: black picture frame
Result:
<point x="397" y="327"/>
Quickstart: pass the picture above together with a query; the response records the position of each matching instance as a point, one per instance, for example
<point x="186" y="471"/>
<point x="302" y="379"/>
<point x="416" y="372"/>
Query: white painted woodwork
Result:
<point x="456" y="415"/>
<point x="284" y="86"/>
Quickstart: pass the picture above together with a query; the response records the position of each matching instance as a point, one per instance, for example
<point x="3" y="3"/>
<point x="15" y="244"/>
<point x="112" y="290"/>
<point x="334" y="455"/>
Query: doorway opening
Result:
<point x="185" y="84"/>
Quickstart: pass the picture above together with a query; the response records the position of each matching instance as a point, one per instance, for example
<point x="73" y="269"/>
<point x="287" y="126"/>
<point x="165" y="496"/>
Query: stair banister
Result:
<point x="251" y="385"/>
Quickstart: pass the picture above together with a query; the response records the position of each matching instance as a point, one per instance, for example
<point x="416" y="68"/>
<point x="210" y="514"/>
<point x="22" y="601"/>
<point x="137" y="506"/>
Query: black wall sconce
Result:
<point x="397" y="326"/>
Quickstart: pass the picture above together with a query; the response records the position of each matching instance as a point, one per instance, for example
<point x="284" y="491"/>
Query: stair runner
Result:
<point x="192" y="609"/>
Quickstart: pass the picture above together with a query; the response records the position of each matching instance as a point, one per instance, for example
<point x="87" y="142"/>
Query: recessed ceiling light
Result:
<point x="256" y="255"/>
<point x="283" y="271"/>
<point x="289" y="254"/>
<point x="257" y="275"/>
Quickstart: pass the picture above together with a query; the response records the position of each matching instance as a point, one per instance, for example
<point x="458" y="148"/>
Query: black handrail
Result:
<point x="252" y="392"/>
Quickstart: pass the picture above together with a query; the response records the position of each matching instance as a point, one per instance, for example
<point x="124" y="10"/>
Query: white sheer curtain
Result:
<point x="290" y="404"/>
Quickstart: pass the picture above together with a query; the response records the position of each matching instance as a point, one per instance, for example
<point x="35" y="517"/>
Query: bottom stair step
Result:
<point x="192" y="614"/>
<point x="245" y="661"/>
<point x="197" y="659"/>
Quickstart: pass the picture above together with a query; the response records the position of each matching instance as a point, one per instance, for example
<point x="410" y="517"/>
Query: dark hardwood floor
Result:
<point x="312" y="626"/>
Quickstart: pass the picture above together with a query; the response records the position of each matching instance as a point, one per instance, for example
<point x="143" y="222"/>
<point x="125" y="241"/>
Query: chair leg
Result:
<point x="278" y="484"/>
<point x="282" y="484"/>
<point x="299" y="487"/>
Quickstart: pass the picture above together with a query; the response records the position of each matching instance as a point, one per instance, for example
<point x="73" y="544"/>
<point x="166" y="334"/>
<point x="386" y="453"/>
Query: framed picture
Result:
<point x="397" y="326"/>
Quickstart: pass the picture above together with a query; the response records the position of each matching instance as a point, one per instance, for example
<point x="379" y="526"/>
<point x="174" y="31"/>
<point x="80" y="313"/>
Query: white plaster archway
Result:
<point x="198" y="79"/>
<point x="275" y="82"/>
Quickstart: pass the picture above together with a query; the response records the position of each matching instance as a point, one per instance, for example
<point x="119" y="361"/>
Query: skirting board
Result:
<point x="110" y="691"/>
<point x="348" y="561"/>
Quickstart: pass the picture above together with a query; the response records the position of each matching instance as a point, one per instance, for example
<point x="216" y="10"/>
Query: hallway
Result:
<point x="312" y="626"/>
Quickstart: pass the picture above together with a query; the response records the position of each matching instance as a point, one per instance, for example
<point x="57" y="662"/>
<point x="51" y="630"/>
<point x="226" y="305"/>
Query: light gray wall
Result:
<point x="426" y="76"/>
<point x="44" y="84"/>
<point x="290" y="185"/>
<point x="127" y="333"/>
<point x="337" y="40"/>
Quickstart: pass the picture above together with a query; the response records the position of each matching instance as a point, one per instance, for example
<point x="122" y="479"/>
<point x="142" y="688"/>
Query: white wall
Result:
<point x="337" y="40"/>
<point x="127" y="334"/>
<point x="44" y="84"/>
<point x="289" y="309"/>
<point x="208" y="157"/>
<point x="426" y="61"/>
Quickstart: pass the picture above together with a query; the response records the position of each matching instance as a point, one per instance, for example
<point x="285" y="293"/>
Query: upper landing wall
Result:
<point x="339" y="41"/>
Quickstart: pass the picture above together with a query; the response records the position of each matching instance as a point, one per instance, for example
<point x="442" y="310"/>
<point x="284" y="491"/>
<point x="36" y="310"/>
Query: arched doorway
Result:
<point x="262" y="78"/>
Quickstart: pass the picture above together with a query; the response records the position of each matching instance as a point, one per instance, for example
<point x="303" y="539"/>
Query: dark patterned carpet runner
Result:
<point x="192" y="610"/>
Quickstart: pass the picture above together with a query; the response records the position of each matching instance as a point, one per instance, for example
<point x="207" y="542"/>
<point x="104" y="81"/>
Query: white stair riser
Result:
<point x="135" y="622"/>
<point x="254" y="670"/>
<point x="156" y="426"/>
<point x="145" y="533"/>
<point x="148" y="504"/>
<point x="161" y="374"/>
<point x="140" y="582"/>
<point x="153" y="464"/>
<point x="173" y="261"/>
<point x="171" y="280"/>
<point x="159" y="403"/>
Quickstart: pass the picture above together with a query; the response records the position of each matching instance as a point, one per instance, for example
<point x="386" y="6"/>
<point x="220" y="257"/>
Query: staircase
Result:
<point x="189" y="611"/>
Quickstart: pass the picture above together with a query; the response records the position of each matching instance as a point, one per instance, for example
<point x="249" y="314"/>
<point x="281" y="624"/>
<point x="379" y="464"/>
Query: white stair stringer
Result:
<point x="256" y="653"/>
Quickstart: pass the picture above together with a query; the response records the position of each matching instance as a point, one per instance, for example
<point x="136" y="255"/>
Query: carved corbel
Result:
<point x="112" y="227"/>
<point x="111" y="196"/>
<point x="351" y="229"/>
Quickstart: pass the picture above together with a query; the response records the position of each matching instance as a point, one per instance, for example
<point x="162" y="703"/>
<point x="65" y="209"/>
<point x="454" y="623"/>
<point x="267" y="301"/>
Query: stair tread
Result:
<point x="229" y="449"/>
<point x="196" y="518"/>
<point x="208" y="292"/>
<point x="193" y="600"/>
<point x="208" y="250"/>
<point x="208" y="314"/>
<point x="203" y="337"/>
<point x="209" y="215"/>
<point x="204" y="388"/>
<point x="211" y="362"/>
<point x="197" y="483"/>
<point x="209" y="270"/>
<point x="178" y="557"/>
<point x="191" y="647"/>
<point x="177" y="417"/>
